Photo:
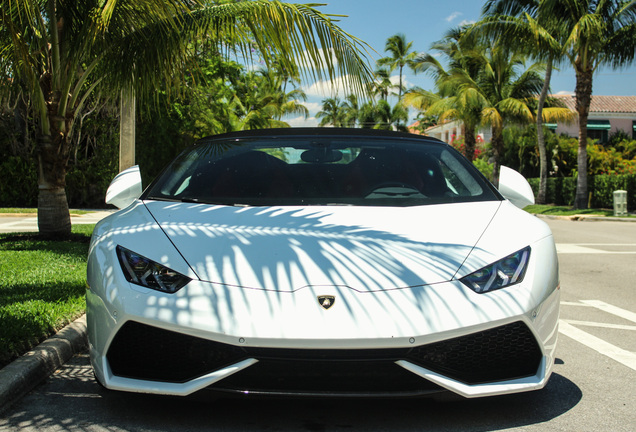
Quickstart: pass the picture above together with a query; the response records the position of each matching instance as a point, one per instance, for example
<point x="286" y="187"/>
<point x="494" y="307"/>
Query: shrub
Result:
<point x="562" y="190"/>
<point x="19" y="183"/>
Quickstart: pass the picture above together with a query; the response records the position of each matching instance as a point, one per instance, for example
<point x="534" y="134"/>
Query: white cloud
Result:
<point x="467" y="22"/>
<point x="565" y="93"/>
<point x="313" y="107"/>
<point x="302" y="122"/>
<point x="337" y="87"/>
<point x="452" y="16"/>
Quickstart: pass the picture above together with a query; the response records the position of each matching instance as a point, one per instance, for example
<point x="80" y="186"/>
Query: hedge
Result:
<point x="562" y="190"/>
<point x="86" y="183"/>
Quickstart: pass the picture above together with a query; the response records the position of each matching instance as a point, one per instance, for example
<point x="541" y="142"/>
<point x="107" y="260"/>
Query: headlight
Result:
<point x="147" y="273"/>
<point x="504" y="273"/>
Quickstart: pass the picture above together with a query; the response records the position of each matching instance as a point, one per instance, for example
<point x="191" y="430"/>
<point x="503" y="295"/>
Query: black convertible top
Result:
<point x="319" y="131"/>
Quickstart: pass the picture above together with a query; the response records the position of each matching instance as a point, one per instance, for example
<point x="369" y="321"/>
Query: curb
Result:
<point x="25" y="373"/>
<point x="586" y="218"/>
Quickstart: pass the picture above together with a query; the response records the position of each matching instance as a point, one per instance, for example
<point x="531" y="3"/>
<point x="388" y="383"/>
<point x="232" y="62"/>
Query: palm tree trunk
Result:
<point x="543" y="155"/>
<point x="498" y="148"/>
<point x="583" y="93"/>
<point x="470" y="142"/>
<point x="53" y="216"/>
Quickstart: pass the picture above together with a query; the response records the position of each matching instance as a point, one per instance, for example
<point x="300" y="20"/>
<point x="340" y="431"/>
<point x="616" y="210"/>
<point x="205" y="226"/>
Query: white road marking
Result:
<point x="565" y="303"/>
<point x="588" y="248"/>
<point x="628" y="315"/>
<point x="600" y="325"/>
<point x="620" y="355"/>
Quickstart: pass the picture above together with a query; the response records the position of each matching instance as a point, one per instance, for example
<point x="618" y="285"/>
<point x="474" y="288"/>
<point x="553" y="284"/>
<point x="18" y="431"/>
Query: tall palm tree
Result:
<point x="459" y="49"/>
<point x="504" y="88"/>
<point x="527" y="25"/>
<point x="382" y="85"/>
<point x="400" y="56"/>
<point x="591" y="34"/>
<point x="61" y="52"/>
<point x="594" y="33"/>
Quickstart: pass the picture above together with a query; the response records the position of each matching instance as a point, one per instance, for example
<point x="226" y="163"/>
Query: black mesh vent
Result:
<point x="502" y="353"/>
<point x="497" y="354"/>
<point x="144" y="352"/>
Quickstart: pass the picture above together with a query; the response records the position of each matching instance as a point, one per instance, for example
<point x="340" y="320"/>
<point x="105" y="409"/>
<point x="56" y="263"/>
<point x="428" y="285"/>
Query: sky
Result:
<point x="426" y="21"/>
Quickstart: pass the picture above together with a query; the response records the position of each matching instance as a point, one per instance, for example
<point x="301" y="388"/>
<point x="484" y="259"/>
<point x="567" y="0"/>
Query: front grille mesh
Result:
<point x="150" y="353"/>
<point x="502" y="353"/>
<point x="497" y="354"/>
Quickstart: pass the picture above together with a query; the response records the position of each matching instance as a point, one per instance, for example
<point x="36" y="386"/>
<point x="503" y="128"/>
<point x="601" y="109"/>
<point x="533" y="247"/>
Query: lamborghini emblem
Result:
<point x="326" y="301"/>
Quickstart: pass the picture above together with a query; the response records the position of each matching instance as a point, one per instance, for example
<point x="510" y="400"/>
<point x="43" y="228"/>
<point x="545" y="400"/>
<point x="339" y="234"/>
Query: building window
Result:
<point x="634" y="129"/>
<point x="598" y="130"/>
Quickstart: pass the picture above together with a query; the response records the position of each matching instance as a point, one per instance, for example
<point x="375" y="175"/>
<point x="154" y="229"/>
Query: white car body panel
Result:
<point x="360" y="247"/>
<point x="125" y="188"/>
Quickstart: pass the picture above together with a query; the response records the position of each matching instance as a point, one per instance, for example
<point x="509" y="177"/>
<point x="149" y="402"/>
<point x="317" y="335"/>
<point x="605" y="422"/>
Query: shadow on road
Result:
<point x="72" y="401"/>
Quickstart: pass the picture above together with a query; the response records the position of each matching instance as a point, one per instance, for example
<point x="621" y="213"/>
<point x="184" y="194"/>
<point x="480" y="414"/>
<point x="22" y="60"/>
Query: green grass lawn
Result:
<point x="14" y="210"/>
<point x="553" y="210"/>
<point x="42" y="287"/>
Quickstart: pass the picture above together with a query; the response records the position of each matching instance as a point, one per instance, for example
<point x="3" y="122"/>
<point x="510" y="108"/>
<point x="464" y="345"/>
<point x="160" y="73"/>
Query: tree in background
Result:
<point x="61" y="52"/>
<point x="401" y="55"/>
<point x="531" y="27"/>
<point x="382" y="85"/>
<point x="594" y="33"/>
<point x="260" y="102"/>
<point x="458" y="48"/>
<point x="332" y="113"/>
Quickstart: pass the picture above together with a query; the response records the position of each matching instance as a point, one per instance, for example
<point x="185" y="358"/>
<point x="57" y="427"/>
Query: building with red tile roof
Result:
<point x="608" y="115"/>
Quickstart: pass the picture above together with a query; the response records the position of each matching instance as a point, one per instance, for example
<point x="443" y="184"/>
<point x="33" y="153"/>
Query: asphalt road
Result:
<point x="593" y="387"/>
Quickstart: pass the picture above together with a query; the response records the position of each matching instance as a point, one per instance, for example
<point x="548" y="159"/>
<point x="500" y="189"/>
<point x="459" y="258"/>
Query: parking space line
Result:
<point x="598" y="324"/>
<point x="620" y="355"/>
<point x="591" y="248"/>
<point x="630" y="316"/>
<point x="566" y="303"/>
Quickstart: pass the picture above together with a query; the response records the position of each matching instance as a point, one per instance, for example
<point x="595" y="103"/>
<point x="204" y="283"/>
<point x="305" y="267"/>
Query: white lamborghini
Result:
<point x="322" y="262"/>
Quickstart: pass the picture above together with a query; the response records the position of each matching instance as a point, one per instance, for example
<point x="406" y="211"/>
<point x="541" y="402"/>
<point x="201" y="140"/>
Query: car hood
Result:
<point x="288" y="248"/>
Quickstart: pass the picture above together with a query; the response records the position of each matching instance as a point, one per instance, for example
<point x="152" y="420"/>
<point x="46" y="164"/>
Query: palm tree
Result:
<point x="390" y="118"/>
<point x="458" y="48"/>
<point x="351" y="107"/>
<point x="259" y="101"/>
<point x="367" y="116"/>
<point x="526" y="24"/>
<point x="504" y="89"/>
<point x="332" y="113"/>
<point x="382" y="85"/>
<point x="60" y="52"/>
<point x="594" y="33"/>
<point x="400" y="56"/>
<point x="591" y="34"/>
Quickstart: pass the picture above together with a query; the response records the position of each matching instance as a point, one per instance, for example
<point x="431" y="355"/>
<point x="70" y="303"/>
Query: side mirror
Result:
<point x="514" y="187"/>
<point x="125" y="188"/>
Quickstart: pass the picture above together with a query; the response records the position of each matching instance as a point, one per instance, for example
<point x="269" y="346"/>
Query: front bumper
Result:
<point x="504" y="354"/>
<point x="150" y="343"/>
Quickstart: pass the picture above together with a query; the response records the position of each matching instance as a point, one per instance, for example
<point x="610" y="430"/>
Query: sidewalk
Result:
<point x="28" y="222"/>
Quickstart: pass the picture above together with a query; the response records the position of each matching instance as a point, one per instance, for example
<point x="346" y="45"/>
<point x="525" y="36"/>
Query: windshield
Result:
<point x="324" y="170"/>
